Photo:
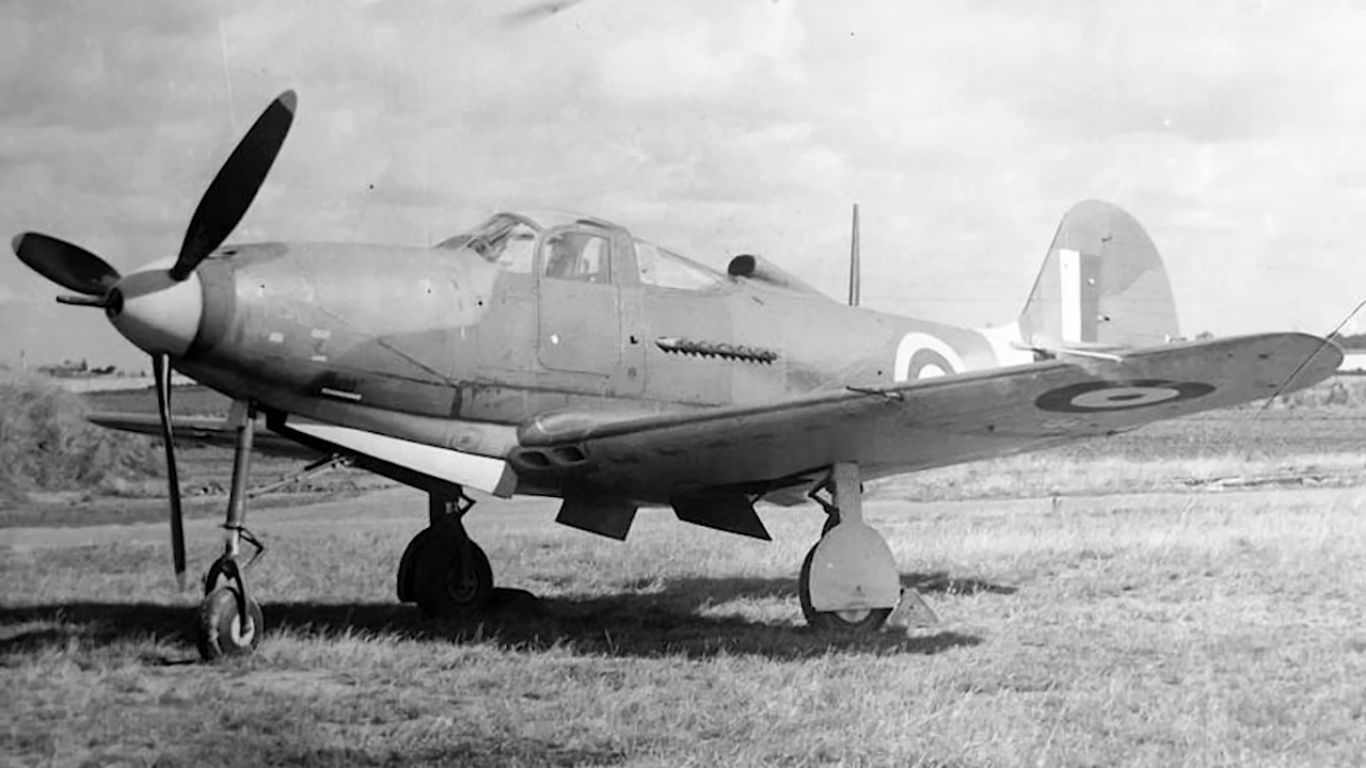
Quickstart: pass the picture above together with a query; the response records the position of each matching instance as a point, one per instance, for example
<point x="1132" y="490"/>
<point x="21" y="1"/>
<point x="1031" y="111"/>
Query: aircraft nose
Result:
<point x="157" y="312"/>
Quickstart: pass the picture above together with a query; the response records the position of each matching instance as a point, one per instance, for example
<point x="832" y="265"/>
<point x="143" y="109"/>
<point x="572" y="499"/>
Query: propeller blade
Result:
<point x="161" y="371"/>
<point x="65" y="264"/>
<point x="230" y="193"/>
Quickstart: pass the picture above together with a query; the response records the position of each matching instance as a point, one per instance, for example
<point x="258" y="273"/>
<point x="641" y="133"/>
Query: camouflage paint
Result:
<point x="443" y="347"/>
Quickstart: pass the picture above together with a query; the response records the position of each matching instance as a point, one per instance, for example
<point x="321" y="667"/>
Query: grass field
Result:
<point x="1083" y="624"/>
<point x="1210" y="629"/>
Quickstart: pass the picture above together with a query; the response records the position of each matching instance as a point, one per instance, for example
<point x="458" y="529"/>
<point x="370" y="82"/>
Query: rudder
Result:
<point x="1102" y="285"/>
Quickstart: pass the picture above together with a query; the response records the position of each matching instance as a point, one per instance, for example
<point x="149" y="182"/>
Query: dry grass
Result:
<point x="1174" y="628"/>
<point x="1209" y="629"/>
<point x="46" y="444"/>
<point x="58" y="469"/>
<point x="1046" y="474"/>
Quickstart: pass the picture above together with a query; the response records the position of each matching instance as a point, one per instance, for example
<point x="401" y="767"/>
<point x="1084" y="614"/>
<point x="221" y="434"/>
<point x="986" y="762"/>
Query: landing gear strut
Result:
<point x="442" y="570"/>
<point x="849" y="581"/>
<point x="229" y="620"/>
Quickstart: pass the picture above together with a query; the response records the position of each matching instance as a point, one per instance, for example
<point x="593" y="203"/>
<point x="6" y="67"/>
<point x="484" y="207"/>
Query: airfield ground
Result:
<point x="1214" y="618"/>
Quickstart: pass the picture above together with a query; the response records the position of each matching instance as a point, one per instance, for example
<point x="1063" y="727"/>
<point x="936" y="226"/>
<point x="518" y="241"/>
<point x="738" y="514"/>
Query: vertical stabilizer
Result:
<point x="855" y="278"/>
<point x="1102" y="285"/>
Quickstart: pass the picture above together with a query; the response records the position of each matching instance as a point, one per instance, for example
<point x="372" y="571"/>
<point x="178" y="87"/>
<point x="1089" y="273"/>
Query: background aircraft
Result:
<point x="558" y="355"/>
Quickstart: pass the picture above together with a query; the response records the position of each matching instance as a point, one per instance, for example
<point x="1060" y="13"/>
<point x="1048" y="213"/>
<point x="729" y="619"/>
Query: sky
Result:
<point x="1234" y="131"/>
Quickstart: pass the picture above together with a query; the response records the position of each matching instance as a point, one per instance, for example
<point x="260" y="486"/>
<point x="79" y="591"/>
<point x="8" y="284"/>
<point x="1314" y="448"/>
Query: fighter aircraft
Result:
<point x="558" y="355"/>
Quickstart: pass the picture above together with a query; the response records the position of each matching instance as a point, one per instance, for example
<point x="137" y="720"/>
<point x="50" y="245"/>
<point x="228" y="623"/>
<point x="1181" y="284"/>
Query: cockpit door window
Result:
<point x="579" y="305"/>
<point x="578" y="256"/>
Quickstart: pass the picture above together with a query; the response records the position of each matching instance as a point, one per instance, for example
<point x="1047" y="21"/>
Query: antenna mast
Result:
<point x="853" y="262"/>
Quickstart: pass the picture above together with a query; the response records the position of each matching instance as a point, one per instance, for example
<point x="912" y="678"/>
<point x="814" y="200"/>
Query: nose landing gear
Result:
<point x="230" y="622"/>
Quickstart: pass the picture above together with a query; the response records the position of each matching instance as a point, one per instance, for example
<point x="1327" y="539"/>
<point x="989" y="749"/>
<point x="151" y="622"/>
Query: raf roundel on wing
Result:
<point x="1119" y="395"/>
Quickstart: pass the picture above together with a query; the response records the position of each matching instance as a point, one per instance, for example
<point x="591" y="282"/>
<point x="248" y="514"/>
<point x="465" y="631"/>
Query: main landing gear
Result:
<point x="229" y="620"/>
<point x="849" y="581"/>
<point x="442" y="570"/>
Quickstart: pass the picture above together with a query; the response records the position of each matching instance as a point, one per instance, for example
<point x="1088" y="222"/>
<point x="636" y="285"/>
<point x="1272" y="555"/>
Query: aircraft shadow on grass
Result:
<point x="669" y="622"/>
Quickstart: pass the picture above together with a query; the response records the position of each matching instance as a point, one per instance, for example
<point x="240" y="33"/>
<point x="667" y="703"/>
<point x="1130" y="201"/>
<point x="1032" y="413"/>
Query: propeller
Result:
<point x="65" y="264"/>
<point x="230" y="193"/>
<point x="161" y="372"/>
<point x="220" y="209"/>
<point x="153" y="307"/>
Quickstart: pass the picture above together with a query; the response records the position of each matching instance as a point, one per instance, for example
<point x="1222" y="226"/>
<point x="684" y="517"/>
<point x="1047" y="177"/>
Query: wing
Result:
<point x="920" y="424"/>
<point x="395" y="458"/>
<point x="201" y="430"/>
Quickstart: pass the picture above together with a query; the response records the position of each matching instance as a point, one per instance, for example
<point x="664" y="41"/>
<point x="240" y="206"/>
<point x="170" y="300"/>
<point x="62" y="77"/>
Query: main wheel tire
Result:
<point x="220" y="631"/>
<point x="855" y="622"/>
<point x="407" y="563"/>
<point x="451" y="578"/>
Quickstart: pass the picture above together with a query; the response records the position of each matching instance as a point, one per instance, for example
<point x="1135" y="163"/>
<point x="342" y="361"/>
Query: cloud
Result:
<point x="964" y="130"/>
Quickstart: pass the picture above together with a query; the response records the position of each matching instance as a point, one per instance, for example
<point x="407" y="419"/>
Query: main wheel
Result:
<point x="853" y="622"/>
<point x="220" y="631"/>
<point x="408" y="562"/>
<point x="451" y="577"/>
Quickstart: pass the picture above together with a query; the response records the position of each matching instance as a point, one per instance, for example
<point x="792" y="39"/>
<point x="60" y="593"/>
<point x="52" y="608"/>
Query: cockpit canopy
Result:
<point x="582" y="248"/>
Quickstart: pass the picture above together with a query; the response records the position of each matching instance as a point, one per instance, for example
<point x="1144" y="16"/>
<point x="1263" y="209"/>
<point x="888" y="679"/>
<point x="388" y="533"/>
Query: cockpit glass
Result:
<point x="505" y="239"/>
<point x="508" y="239"/>
<point x="669" y="270"/>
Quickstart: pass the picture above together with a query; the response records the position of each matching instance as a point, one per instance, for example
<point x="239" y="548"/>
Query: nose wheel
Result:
<point x="229" y="621"/>
<point x="230" y="624"/>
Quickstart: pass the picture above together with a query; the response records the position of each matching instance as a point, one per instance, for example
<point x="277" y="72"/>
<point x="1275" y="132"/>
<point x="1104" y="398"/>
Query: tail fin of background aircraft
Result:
<point x="1102" y="285"/>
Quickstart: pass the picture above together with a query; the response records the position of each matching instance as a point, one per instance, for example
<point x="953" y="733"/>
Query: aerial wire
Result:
<point x="227" y="74"/>
<point x="1323" y="344"/>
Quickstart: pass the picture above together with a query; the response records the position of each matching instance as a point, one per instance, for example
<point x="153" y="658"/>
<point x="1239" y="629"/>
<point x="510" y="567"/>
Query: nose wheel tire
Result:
<point x="221" y="631"/>
<point x="853" y="622"/>
<point x="451" y="578"/>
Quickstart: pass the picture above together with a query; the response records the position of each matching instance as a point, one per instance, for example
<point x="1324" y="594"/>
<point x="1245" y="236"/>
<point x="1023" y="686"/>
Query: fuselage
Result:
<point x="450" y="346"/>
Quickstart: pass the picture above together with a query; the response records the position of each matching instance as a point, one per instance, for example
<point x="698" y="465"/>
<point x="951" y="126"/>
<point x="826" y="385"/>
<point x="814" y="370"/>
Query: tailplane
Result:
<point x="1102" y="286"/>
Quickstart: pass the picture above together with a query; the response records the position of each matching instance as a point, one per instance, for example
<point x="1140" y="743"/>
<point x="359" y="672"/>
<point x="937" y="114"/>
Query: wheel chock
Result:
<point x="912" y="612"/>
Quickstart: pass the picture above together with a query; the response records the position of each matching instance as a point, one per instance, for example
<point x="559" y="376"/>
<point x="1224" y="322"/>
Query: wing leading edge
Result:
<point x="304" y="439"/>
<point x="204" y="430"/>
